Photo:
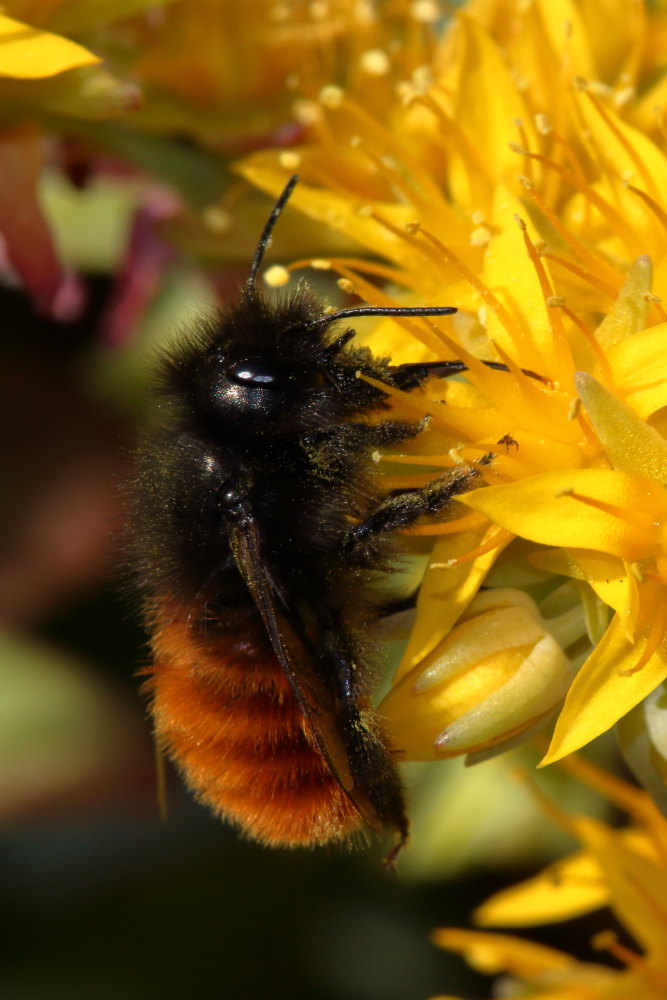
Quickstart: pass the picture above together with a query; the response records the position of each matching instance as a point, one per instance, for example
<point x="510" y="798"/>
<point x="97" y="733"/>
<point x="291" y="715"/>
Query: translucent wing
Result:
<point x="315" y="701"/>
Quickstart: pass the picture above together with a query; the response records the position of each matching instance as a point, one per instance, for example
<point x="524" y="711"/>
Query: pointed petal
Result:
<point x="638" y="364"/>
<point x="507" y="267"/>
<point x="27" y="53"/>
<point x="561" y="891"/>
<point x="445" y="593"/>
<point x="493" y="953"/>
<point x="630" y="443"/>
<point x="614" y="583"/>
<point x="637" y="884"/>
<point x="615" y="678"/>
<point x="602" y="509"/>
<point x="487" y="103"/>
<point x="628" y="313"/>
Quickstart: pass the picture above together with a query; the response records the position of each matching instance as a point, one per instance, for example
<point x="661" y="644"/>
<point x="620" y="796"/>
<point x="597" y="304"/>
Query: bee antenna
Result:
<point x="265" y="238"/>
<point x="380" y="311"/>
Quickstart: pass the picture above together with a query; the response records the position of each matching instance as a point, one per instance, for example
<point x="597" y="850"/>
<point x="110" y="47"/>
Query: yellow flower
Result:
<point x="514" y="178"/>
<point x="625" y="869"/>
<point x="533" y="970"/>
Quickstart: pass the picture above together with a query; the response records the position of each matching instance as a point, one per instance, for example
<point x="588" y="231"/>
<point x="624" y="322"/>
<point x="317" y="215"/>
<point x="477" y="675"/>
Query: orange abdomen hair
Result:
<point x="225" y="714"/>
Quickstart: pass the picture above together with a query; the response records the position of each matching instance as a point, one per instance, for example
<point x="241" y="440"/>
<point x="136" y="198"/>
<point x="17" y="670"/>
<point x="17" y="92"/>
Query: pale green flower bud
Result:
<point x="642" y="735"/>
<point x="496" y="676"/>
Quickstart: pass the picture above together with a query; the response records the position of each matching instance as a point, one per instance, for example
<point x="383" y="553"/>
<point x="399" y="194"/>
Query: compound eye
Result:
<point x="272" y="373"/>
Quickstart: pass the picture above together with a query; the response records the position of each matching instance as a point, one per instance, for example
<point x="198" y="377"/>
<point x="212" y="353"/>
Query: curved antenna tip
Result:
<point x="265" y="238"/>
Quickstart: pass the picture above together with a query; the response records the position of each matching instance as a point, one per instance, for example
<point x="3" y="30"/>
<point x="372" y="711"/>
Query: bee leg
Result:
<point x="371" y="763"/>
<point x="356" y="437"/>
<point x="402" y="509"/>
<point x="410" y="376"/>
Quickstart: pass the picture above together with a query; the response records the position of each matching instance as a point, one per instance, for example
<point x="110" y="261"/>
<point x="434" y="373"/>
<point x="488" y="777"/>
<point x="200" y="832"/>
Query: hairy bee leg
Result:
<point x="402" y="509"/>
<point x="371" y="764"/>
<point x="412" y="375"/>
<point x="359" y="436"/>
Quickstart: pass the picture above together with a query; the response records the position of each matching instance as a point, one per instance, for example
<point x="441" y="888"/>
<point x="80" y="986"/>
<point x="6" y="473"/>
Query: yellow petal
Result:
<point x="576" y="40"/>
<point x="561" y="891"/>
<point x="637" y="884"/>
<point x="615" y="678"/>
<point x="339" y="211"/>
<point x="630" y="443"/>
<point x="638" y="364"/>
<point x="613" y="582"/>
<point x="445" y="592"/>
<point x="617" y="48"/>
<point x="558" y="562"/>
<point x="628" y="313"/>
<point x="605" y="510"/>
<point x="27" y="53"/>
<point x="507" y="267"/>
<point x="488" y="104"/>
<point x="494" y="621"/>
<point x="535" y="687"/>
<point x="565" y="889"/>
<point x="413" y="722"/>
<point x="464" y="422"/>
<point x="625" y="154"/>
<point x="493" y="953"/>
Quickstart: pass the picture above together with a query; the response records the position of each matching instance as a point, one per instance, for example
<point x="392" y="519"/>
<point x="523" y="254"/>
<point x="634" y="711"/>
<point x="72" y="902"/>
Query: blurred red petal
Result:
<point x="29" y="247"/>
<point x="143" y="269"/>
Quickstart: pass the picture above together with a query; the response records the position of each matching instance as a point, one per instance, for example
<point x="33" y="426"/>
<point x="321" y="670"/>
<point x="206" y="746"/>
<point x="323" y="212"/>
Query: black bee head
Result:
<point x="267" y="368"/>
<point x="265" y="394"/>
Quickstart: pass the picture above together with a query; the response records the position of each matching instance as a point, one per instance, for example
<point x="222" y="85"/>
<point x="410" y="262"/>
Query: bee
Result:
<point x="260" y="526"/>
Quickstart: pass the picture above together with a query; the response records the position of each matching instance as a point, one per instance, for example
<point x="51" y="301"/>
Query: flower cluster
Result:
<point x="508" y="160"/>
<point x="516" y="176"/>
<point x="625" y="869"/>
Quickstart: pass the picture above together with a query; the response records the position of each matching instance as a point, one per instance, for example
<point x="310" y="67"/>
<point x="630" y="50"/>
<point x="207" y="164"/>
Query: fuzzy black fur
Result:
<point x="258" y="498"/>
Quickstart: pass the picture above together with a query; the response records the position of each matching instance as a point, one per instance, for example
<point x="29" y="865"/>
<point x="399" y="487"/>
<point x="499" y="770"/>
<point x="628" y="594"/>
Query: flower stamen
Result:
<point x="497" y="538"/>
<point x="451" y="136"/>
<point x="653" y="638"/>
<point x="554" y="318"/>
<point x="524" y="143"/>
<point x="608" y="941"/>
<point x="609" y="290"/>
<point x="618" y="135"/>
<point x="614" y="219"/>
<point x="635" y="517"/>
<point x="651" y="203"/>
<point x="576" y="246"/>
<point x="591" y="340"/>
<point x="484" y="291"/>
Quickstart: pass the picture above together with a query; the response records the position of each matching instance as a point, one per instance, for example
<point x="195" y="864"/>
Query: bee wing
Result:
<point x="311" y="694"/>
